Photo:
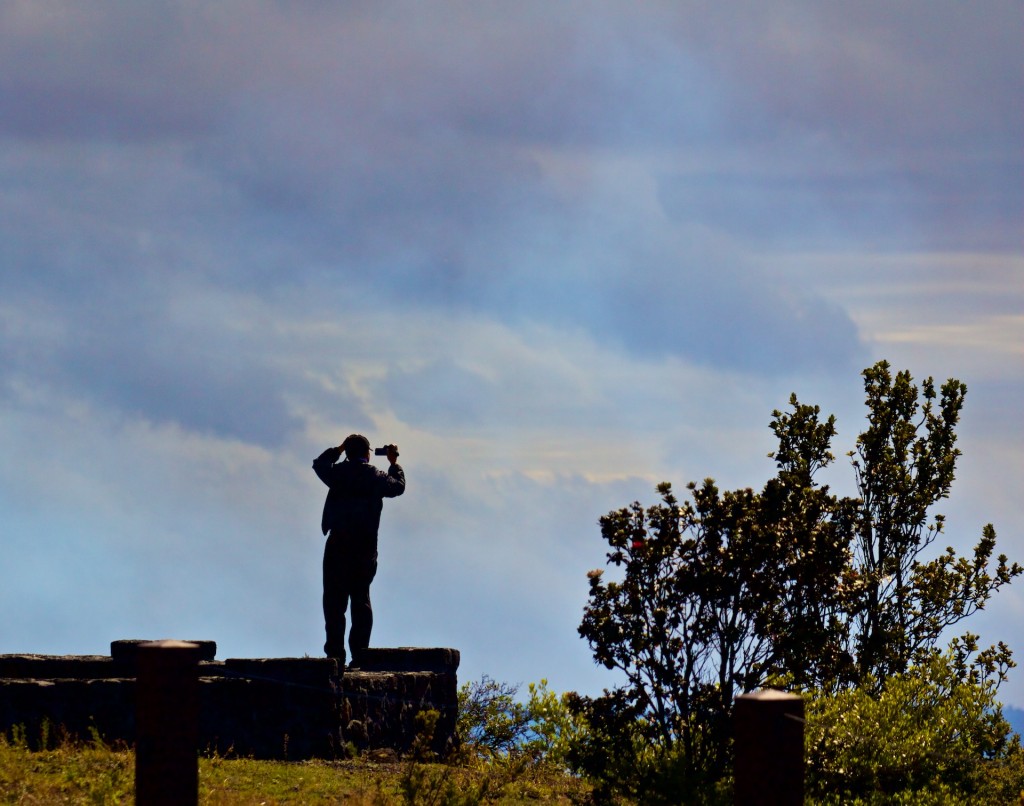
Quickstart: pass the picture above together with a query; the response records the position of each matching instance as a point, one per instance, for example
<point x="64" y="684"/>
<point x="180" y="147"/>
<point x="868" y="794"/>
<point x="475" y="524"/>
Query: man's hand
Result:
<point x="392" y="453"/>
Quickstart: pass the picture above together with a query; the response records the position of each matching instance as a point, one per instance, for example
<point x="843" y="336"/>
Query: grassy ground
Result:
<point x="95" y="774"/>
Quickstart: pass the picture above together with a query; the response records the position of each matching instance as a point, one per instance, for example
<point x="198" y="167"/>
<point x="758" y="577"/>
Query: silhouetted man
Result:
<point x="351" y="519"/>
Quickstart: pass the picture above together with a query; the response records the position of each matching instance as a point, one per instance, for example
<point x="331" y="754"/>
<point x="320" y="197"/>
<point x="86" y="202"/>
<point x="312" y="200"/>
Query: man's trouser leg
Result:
<point x="362" y="621"/>
<point x="335" y="600"/>
<point x="363" y="570"/>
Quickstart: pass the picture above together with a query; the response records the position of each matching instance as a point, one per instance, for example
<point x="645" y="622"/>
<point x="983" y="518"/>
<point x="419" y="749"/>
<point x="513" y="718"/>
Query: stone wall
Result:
<point x="293" y="708"/>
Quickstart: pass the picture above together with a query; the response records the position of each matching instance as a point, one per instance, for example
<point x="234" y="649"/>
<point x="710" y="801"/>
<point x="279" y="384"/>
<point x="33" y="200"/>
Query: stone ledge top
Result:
<point x="408" y="659"/>
<point x="60" y="666"/>
<point x="307" y="671"/>
<point x="437" y="660"/>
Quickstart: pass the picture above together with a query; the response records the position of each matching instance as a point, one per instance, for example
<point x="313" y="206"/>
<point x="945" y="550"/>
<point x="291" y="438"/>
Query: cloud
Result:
<point x="355" y="153"/>
<point x="872" y="75"/>
<point x="103" y="71"/>
<point x="177" y="376"/>
<point x="572" y="73"/>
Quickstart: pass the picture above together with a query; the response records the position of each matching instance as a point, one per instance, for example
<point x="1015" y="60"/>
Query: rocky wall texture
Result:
<point x="293" y="708"/>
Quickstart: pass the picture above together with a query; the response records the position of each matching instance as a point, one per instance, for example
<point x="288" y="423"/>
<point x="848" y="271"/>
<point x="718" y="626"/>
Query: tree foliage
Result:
<point x="721" y="593"/>
<point x="905" y="463"/>
<point x="932" y="735"/>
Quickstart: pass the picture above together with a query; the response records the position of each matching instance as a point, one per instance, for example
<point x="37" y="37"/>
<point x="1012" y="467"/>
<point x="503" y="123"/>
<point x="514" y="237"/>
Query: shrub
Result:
<point x="929" y="736"/>
<point x="494" y="723"/>
<point x="491" y="721"/>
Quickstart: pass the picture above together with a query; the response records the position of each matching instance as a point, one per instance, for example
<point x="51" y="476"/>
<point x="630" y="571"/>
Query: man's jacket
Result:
<point x="356" y="493"/>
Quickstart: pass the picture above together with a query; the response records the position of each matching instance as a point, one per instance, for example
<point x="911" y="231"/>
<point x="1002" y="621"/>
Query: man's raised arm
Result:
<point x="324" y="462"/>
<point x="393" y="484"/>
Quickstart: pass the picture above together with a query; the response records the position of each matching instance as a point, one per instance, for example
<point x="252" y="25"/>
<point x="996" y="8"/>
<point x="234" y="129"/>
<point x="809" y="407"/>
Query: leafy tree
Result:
<point x="807" y="602"/>
<point x="699" y="616"/>
<point x="717" y="595"/>
<point x="904" y="463"/>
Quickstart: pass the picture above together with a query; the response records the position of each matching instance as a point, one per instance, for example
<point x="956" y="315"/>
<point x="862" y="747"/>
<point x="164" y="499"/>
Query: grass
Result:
<point x="93" y="773"/>
<point x="70" y="773"/>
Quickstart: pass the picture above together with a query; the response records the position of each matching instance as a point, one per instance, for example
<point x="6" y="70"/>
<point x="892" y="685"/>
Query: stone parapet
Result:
<point x="292" y="708"/>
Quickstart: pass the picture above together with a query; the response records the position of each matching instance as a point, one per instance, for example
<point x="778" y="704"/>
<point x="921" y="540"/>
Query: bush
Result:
<point x="491" y="721"/>
<point x="929" y="736"/>
<point x="554" y="729"/>
<point x="494" y="723"/>
<point x="617" y="752"/>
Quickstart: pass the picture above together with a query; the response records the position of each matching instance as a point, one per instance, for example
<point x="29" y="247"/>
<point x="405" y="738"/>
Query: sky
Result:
<point x="557" y="252"/>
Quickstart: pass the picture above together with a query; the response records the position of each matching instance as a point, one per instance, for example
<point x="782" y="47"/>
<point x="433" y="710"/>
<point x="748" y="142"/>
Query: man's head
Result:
<point x="356" y="446"/>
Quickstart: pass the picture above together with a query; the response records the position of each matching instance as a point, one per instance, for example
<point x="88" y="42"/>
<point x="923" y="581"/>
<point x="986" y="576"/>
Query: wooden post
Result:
<point x="769" y="749"/>
<point x="167" y="723"/>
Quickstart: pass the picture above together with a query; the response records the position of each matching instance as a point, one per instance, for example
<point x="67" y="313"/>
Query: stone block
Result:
<point x="52" y="667"/>
<point x="409" y="659"/>
<point x="294" y="671"/>
<point x="383" y="707"/>
<point x="72" y="708"/>
<point x="269" y="716"/>
<point x="126" y="649"/>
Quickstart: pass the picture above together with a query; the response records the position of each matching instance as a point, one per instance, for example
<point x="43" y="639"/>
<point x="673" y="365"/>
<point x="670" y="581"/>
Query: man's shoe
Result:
<point x="357" y="660"/>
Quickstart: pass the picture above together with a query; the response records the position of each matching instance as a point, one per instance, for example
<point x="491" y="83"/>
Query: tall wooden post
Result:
<point x="167" y="723"/>
<point x="768" y="727"/>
